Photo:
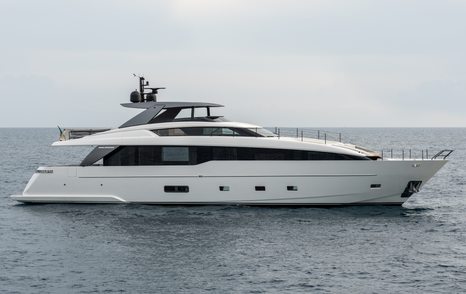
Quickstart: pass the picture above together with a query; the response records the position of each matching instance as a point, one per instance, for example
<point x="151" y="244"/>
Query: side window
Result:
<point x="170" y="132"/>
<point x="149" y="155"/>
<point x="163" y="132"/>
<point x="184" y="155"/>
<point x="175" y="154"/>
<point x="128" y="156"/>
<point x="204" y="154"/>
<point x="204" y="131"/>
<point x="193" y="131"/>
<point x="270" y="154"/>
<point x="224" y="153"/>
<point x="176" y="132"/>
<point x="246" y="153"/>
<point x="184" y="113"/>
<point x="122" y="156"/>
<point x="200" y="112"/>
<point x="219" y="132"/>
<point x="228" y="132"/>
<point x="231" y="132"/>
<point x="211" y="131"/>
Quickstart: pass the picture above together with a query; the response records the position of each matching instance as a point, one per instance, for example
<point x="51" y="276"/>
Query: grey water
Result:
<point x="56" y="248"/>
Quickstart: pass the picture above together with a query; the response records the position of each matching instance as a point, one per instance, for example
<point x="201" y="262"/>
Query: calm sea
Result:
<point x="418" y="248"/>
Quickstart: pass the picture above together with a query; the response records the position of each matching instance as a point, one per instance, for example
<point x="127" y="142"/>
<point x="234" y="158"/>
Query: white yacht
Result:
<point x="179" y="153"/>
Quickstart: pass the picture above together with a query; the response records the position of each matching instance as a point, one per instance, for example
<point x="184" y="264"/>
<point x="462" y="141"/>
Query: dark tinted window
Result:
<point x="147" y="155"/>
<point x="292" y="188"/>
<point x="176" y="189"/>
<point x="207" y="131"/>
<point x="175" y="154"/>
<point x="184" y="155"/>
<point x="224" y="153"/>
<point x="128" y="155"/>
<point x="224" y="188"/>
<point x="203" y="153"/>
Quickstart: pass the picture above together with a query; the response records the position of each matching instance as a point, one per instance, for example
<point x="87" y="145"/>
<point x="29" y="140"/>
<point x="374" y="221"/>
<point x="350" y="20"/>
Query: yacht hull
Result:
<point x="234" y="182"/>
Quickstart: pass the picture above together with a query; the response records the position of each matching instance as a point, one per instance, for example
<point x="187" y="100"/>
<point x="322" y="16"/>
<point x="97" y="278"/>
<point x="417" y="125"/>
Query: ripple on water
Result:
<point x="222" y="249"/>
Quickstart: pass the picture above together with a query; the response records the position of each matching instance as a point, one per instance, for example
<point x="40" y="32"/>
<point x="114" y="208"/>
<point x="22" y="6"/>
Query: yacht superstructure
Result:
<point x="179" y="153"/>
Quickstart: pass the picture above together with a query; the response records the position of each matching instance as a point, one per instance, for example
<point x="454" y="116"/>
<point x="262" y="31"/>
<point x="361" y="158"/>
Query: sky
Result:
<point x="289" y="63"/>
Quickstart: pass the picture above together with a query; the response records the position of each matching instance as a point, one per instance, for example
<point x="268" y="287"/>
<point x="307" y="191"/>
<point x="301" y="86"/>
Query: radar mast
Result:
<point x="141" y="96"/>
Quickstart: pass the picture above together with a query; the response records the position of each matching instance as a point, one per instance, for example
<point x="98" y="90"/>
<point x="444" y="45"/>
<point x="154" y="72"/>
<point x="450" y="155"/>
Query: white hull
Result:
<point x="318" y="183"/>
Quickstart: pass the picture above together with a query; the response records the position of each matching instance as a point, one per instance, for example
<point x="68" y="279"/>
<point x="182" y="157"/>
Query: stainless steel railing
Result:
<point x="406" y="154"/>
<point x="301" y="134"/>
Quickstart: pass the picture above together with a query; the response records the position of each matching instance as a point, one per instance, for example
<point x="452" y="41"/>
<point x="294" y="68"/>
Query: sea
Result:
<point x="118" y="248"/>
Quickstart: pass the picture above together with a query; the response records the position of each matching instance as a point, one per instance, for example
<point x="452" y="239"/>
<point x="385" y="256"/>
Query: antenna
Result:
<point x="141" y="96"/>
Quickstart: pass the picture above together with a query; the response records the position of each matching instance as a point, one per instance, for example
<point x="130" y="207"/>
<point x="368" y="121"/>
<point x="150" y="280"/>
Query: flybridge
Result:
<point x="154" y="113"/>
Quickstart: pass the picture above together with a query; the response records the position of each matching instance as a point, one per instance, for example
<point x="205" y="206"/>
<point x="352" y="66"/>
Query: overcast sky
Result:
<point x="348" y="63"/>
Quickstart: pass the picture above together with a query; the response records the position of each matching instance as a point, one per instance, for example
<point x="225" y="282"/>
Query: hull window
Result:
<point x="292" y="188"/>
<point x="260" y="188"/>
<point x="176" y="189"/>
<point x="224" y="188"/>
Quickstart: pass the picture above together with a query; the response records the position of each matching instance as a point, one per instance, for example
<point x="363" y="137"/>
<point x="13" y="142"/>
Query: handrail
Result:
<point x="407" y="154"/>
<point x="303" y="133"/>
<point x="326" y="135"/>
<point x="444" y="153"/>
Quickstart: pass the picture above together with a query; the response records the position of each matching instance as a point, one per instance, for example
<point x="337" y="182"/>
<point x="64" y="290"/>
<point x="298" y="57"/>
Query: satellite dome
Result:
<point x="135" y="97"/>
<point x="150" y="97"/>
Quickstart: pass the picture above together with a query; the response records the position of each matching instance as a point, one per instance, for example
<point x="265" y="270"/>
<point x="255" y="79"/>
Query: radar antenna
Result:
<point x="140" y="96"/>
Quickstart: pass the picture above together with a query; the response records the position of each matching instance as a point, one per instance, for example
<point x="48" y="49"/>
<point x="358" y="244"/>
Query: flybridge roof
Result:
<point x="153" y="111"/>
<point x="167" y="105"/>
<point x="158" y="112"/>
